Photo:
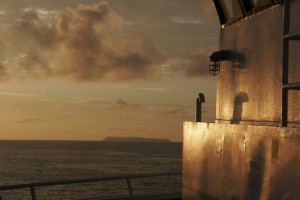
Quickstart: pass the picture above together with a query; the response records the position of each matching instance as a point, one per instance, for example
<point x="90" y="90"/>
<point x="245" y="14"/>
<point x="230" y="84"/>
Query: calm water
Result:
<point x="35" y="161"/>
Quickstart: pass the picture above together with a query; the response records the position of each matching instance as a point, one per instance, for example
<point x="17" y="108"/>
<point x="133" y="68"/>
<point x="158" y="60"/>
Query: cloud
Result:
<point x="197" y="64"/>
<point x="175" y="111"/>
<point x="32" y="120"/>
<point x="3" y="72"/>
<point x="117" y="104"/>
<point x="128" y="130"/>
<point x="79" y="46"/>
<point x="2" y="12"/>
<point x="88" y="42"/>
<point x="122" y="104"/>
<point x="187" y="113"/>
<point x="61" y="107"/>
<point x="32" y="27"/>
<point x="191" y="65"/>
<point x="90" y="100"/>
<point x="186" y="20"/>
<point x="32" y="65"/>
<point x="42" y="13"/>
<point x="19" y="94"/>
<point x="154" y="89"/>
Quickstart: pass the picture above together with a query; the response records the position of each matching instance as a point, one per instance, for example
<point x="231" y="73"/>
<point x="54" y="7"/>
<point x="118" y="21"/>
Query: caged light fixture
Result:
<point x="216" y="58"/>
<point x="214" y="67"/>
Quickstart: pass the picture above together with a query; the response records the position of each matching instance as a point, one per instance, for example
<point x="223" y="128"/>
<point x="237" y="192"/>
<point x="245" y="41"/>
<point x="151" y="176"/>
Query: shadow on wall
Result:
<point x="278" y="180"/>
<point x="285" y="185"/>
<point x="199" y="195"/>
<point x="240" y="60"/>
<point x="255" y="172"/>
<point x="239" y="100"/>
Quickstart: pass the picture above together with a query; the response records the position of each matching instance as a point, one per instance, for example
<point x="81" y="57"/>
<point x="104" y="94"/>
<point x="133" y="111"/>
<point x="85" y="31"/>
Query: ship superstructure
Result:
<point x="252" y="151"/>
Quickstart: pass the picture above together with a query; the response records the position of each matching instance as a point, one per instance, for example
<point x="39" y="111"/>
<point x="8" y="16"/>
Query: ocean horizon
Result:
<point x="27" y="161"/>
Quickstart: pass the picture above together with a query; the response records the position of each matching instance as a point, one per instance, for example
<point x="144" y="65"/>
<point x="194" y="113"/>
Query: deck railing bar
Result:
<point x="66" y="182"/>
<point x="129" y="187"/>
<point x="32" y="191"/>
<point x="128" y="178"/>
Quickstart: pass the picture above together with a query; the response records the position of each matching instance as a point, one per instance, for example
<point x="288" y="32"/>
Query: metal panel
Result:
<point x="240" y="162"/>
<point x="232" y="11"/>
<point x="257" y="73"/>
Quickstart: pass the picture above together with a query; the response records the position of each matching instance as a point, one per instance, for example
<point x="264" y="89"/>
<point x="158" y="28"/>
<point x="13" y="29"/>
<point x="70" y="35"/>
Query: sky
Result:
<point x="90" y="69"/>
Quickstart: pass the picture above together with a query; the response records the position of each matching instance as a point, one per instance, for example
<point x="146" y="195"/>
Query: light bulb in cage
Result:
<point x="216" y="58"/>
<point x="214" y="67"/>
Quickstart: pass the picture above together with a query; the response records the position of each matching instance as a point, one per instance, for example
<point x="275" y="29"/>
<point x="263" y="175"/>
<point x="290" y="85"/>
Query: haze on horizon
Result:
<point x="90" y="69"/>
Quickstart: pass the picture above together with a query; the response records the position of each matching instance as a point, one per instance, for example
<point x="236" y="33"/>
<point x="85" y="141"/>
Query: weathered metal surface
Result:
<point x="249" y="87"/>
<point x="240" y="162"/>
<point x="245" y="155"/>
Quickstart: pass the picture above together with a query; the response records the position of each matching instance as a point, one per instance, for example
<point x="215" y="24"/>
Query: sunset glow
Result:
<point x="86" y="70"/>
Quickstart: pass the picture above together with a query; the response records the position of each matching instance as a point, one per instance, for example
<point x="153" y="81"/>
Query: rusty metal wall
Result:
<point x="240" y="162"/>
<point x="249" y="88"/>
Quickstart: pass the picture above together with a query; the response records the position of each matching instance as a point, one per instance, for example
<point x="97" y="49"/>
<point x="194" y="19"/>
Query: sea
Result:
<point x="41" y="161"/>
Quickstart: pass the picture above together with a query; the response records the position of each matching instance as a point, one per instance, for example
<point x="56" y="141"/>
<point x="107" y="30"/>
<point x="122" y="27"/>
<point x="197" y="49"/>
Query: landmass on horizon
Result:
<point x="134" y="139"/>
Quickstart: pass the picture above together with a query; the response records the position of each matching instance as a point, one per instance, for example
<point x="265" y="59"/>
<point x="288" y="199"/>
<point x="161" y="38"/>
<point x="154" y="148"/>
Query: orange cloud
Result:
<point x="122" y="104"/>
<point x="197" y="64"/>
<point x="32" y="120"/>
<point x="78" y="46"/>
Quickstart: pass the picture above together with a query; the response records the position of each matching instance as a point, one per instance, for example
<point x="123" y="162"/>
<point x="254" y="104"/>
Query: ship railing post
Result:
<point x="129" y="187"/>
<point x="32" y="192"/>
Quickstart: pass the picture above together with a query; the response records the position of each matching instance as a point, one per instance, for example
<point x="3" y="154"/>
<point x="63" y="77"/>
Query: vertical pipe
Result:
<point x="285" y="63"/>
<point x="200" y="99"/>
<point x="129" y="187"/>
<point x="32" y="193"/>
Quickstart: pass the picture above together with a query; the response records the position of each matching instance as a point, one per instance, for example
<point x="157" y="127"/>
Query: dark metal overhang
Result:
<point x="232" y="11"/>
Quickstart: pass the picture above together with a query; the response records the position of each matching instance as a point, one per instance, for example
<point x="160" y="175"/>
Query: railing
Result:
<point x="128" y="178"/>
<point x="286" y="85"/>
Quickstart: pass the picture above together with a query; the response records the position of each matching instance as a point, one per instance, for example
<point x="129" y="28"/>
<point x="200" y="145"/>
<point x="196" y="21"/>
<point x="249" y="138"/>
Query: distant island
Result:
<point x="134" y="139"/>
